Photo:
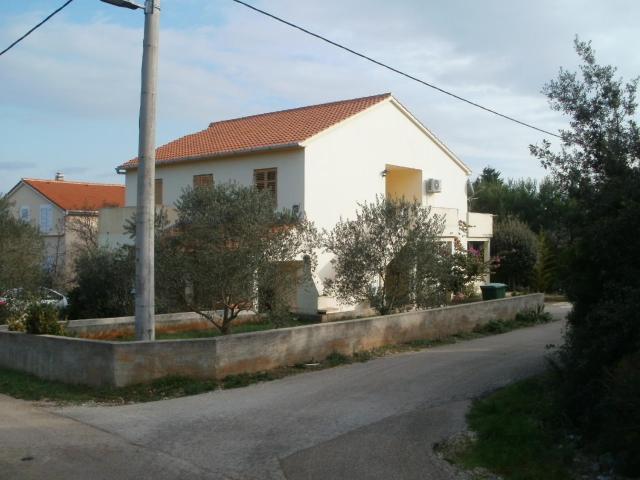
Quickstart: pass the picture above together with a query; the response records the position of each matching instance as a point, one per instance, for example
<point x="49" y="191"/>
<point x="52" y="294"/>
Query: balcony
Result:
<point x="402" y="182"/>
<point x="480" y="225"/>
<point x="451" y="220"/>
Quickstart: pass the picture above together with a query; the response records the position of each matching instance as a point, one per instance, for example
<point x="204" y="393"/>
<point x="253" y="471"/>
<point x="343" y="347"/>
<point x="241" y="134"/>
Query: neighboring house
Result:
<point x="65" y="213"/>
<point x="320" y="160"/>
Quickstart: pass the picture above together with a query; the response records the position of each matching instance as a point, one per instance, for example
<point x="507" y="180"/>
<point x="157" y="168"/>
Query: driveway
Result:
<point x="373" y="420"/>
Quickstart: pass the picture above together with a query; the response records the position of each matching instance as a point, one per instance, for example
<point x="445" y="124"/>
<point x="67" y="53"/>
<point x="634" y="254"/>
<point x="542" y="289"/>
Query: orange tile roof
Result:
<point x="286" y="128"/>
<point x="79" y="195"/>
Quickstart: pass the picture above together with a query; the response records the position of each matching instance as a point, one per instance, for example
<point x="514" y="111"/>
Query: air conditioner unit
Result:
<point x="433" y="185"/>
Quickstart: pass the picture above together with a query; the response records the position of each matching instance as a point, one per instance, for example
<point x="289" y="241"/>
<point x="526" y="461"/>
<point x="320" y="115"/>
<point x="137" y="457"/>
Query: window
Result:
<point x="46" y="218"/>
<point x="25" y="214"/>
<point x="266" y="179"/>
<point x="158" y="189"/>
<point x="204" y="180"/>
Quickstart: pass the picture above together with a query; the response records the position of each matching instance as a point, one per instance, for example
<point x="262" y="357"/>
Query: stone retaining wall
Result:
<point x="102" y="363"/>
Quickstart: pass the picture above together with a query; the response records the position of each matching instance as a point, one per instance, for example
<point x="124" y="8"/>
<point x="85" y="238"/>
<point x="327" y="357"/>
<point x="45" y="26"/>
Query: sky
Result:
<point x="69" y="93"/>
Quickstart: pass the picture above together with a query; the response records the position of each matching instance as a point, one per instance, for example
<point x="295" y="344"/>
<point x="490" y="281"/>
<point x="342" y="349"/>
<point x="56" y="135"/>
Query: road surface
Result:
<point x="373" y="420"/>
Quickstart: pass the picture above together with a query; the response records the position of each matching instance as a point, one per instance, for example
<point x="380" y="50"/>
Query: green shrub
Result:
<point x="43" y="319"/>
<point x="22" y="251"/>
<point x="522" y="319"/>
<point x="15" y="313"/>
<point x="533" y="316"/>
<point x="105" y="280"/>
<point x="15" y="323"/>
<point x="336" y="358"/>
<point x="515" y="248"/>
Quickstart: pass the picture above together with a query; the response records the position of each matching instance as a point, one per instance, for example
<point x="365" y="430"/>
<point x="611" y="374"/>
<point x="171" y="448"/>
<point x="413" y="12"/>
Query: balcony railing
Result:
<point x="480" y="224"/>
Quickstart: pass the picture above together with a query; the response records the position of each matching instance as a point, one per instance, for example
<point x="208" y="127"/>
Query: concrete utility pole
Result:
<point x="145" y="213"/>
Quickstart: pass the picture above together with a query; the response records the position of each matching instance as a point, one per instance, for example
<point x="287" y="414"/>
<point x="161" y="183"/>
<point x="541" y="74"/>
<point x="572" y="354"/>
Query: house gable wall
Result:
<point x="55" y="245"/>
<point x="23" y="195"/>
<point x="344" y="165"/>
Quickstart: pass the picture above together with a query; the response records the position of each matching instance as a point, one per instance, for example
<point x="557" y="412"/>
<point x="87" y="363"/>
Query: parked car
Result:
<point x="46" y="296"/>
<point x="51" y="297"/>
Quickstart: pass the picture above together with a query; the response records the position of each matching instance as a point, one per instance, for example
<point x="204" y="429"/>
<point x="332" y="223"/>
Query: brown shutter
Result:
<point x="205" y="180"/>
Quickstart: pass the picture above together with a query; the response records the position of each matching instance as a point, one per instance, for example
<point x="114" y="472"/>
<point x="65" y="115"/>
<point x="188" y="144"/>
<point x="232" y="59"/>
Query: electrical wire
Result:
<point x="395" y="70"/>
<point x="34" y="28"/>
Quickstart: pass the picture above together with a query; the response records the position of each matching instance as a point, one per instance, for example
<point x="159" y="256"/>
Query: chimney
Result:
<point x="59" y="177"/>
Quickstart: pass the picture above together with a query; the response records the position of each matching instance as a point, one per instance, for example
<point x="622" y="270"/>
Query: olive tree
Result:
<point x="230" y="247"/>
<point x="388" y="255"/>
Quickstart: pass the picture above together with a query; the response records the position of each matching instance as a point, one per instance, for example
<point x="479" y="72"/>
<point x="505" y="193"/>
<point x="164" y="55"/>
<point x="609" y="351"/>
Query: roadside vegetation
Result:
<point x="518" y="435"/>
<point x="22" y="250"/>
<point x="28" y="387"/>
<point x="587" y="216"/>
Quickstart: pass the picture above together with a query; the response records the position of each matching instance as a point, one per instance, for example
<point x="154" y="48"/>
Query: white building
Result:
<point x="63" y="212"/>
<point x="322" y="160"/>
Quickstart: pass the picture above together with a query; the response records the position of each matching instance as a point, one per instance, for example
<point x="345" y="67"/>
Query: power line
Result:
<point x="34" y="28"/>
<point x="388" y="67"/>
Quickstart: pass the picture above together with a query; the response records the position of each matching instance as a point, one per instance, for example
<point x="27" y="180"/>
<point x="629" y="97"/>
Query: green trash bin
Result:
<point x="493" y="291"/>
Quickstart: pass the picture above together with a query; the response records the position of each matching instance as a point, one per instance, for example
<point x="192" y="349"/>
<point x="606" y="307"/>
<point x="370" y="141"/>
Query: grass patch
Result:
<point x="518" y="434"/>
<point x="214" y="332"/>
<point x="182" y="332"/>
<point x="28" y="387"/>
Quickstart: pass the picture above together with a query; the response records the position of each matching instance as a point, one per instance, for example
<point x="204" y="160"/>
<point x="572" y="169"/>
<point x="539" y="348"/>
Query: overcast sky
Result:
<point x="69" y="93"/>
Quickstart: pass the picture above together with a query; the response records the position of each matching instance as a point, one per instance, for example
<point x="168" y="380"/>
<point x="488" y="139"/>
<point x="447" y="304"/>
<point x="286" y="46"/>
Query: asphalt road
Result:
<point x="373" y="420"/>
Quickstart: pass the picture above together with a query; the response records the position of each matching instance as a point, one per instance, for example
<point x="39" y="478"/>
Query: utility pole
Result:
<point x="146" y="209"/>
<point x="145" y="212"/>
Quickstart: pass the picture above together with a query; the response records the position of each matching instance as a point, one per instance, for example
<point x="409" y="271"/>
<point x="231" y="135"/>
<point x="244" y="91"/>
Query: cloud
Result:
<point x="75" y="87"/>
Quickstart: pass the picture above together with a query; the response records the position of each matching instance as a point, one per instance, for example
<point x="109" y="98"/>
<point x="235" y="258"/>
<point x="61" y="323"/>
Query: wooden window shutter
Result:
<point x="204" y="180"/>
<point x="158" y="190"/>
<point x="266" y="179"/>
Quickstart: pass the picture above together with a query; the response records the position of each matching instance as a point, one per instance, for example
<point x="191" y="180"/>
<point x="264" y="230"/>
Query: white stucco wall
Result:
<point x="175" y="177"/>
<point x="343" y="165"/>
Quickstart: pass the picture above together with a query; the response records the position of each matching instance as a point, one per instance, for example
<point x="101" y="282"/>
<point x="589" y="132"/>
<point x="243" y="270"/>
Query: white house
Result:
<point x="62" y="211"/>
<point x="321" y="160"/>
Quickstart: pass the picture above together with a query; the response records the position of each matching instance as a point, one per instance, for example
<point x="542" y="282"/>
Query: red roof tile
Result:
<point x="79" y="195"/>
<point x="275" y="129"/>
